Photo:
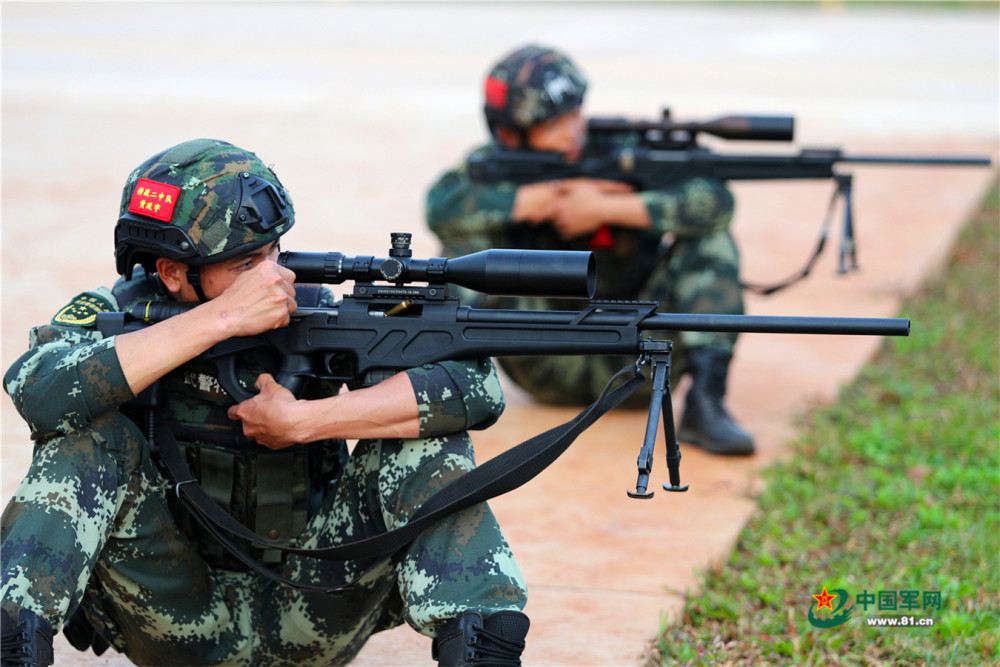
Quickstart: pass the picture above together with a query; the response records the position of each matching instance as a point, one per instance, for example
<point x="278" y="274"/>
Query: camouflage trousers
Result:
<point x="692" y="275"/>
<point x="90" y="525"/>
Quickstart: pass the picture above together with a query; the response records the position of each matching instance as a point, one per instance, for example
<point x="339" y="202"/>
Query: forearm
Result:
<point x="259" y="299"/>
<point x="624" y="210"/>
<point x="150" y="353"/>
<point x="436" y="399"/>
<point x="387" y="410"/>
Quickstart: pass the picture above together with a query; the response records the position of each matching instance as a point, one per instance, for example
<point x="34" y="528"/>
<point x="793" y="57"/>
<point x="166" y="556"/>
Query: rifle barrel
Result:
<point x="917" y="159"/>
<point x="860" y="326"/>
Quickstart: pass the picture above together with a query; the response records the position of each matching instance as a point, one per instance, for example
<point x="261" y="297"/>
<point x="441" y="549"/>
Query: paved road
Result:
<point x="360" y="106"/>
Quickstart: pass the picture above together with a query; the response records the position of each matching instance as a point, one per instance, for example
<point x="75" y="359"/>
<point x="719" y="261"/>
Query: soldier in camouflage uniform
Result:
<point x="94" y="538"/>
<point x="533" y="99"/>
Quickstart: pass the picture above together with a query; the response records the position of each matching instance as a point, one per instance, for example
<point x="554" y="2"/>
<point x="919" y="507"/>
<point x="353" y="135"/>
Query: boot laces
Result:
<point x="498" y="652"/>
<point x="15" y="649"/>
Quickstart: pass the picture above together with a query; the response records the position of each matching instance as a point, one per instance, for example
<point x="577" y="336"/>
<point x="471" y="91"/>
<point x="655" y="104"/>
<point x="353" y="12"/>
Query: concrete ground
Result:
<point x="360" y="106"/>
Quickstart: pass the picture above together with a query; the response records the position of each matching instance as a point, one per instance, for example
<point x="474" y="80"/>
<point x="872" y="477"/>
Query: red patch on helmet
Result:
<point x="154" y="199"/>
<point x="496" y="92"/>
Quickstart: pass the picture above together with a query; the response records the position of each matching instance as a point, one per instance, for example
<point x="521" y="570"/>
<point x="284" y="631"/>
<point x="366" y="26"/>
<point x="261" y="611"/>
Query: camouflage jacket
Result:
<point x="468" y="217"/>
<point x="71" y="374"/>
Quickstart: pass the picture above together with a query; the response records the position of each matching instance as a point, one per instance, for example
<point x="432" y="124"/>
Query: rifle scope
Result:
<point x="743" y="128"/>
<point x="556" y="274"/>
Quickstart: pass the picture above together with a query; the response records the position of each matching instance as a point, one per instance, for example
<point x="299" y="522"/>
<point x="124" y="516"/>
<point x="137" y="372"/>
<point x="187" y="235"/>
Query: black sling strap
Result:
<point x="847" y="244"/>
<point x="504" y="472"/>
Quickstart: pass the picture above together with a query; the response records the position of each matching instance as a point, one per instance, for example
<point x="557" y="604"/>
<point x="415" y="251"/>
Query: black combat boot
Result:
<point x="28" y="643"/>
<point x="706" y="422"/>
<point x="469" y="640"/>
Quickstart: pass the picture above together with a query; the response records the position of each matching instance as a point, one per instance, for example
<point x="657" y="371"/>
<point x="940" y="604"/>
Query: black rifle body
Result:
<point x="647" y="168"/>
<point x="665" y="151"/>
<point x="360" y="344"/>
<point x="660" y="153"/>
<point x="382" y="329"/>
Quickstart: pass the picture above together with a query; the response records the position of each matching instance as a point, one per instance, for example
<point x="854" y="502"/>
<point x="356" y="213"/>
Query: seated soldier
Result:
<point x="533" y="100"/>
<point x="95" y="541"/>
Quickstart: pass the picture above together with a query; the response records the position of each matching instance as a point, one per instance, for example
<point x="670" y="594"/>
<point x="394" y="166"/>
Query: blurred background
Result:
<point x="360" y="106"/>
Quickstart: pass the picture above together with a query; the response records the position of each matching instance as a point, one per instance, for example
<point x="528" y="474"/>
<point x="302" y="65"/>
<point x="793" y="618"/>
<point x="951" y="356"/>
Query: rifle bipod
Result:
<point x="656" y="353"/>
<point x="847" y="259"/>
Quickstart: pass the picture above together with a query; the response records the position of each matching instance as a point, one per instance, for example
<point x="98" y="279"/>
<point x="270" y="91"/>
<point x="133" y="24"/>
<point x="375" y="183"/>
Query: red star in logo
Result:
<point x="824" y="599"/>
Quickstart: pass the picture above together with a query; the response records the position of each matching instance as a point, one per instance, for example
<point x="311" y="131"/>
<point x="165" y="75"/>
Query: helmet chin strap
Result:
<point x="522" y="138"/>
<point x="194" y="280"/>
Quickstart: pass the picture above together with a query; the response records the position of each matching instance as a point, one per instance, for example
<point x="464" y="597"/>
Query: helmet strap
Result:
<point x="522" y="138"/>
<point x="194" y="280"/>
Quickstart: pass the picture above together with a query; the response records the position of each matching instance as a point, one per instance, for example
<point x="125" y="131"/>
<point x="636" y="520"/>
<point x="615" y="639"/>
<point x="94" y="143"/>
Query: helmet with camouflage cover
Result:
<point x="531" y="85"/>
<point x="199" y="202"/>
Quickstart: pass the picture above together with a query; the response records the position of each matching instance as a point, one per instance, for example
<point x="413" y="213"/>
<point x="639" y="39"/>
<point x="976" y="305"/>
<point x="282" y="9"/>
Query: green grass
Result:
<point x="896" y="487"/>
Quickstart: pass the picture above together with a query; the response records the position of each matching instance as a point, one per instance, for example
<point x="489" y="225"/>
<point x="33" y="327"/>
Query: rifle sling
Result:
<point x="504" y="472"/>
<point x="840" y="191"/>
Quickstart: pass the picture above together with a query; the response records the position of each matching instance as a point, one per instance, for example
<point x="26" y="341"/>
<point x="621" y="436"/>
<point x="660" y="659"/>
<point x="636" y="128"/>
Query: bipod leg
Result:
<point x="670" y="436"/>
<point x="848" y="246"/>
<point x="657" y="354"/>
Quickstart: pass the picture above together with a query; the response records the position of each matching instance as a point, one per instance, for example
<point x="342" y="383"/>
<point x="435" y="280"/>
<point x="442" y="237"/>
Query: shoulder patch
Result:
<point x="82" y="310"/>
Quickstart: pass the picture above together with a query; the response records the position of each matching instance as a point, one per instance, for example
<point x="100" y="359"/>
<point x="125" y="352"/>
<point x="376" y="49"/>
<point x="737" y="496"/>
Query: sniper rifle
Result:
<point x="651" y="155"/>
<point x="388" y="324"/>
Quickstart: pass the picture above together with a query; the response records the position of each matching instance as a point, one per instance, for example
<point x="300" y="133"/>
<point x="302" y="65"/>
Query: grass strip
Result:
<point x="893" y="492"/>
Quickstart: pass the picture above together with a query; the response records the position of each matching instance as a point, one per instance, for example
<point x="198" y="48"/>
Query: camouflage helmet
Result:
<point x="531" y="85"/>
<point x="199" y="202"/>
